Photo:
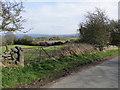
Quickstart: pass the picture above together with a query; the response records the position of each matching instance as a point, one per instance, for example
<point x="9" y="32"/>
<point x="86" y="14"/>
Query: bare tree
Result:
<point x="10" y="16"/>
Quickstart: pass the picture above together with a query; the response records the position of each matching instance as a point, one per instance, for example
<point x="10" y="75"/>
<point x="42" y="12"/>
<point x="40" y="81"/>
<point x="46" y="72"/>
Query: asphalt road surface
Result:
<point x="104" y="75"/>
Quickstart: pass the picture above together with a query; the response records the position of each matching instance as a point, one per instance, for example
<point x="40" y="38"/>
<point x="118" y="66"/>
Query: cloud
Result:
<point x="61" y="17"/>
<point x="71" y="0"/>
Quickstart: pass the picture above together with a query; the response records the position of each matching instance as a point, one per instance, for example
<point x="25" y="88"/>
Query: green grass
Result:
<point x="12" y="46"/>
<point x="16" y="75"/>
<point x="54" y="47"/>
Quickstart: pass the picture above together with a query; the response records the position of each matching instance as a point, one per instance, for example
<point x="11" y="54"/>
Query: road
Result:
<point x="104" y="75"/>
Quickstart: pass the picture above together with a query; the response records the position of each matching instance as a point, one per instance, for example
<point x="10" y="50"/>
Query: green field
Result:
<point x="22" y="46"/>
<point x="37" y="54"/>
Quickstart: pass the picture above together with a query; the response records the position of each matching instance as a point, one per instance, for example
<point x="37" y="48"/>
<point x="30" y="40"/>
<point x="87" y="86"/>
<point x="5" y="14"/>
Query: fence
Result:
<point x="43" y="53"/>
<point x="39" y="54"/>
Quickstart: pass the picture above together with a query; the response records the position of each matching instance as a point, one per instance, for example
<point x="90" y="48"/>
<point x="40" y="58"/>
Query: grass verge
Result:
<point x="11" y="76"/>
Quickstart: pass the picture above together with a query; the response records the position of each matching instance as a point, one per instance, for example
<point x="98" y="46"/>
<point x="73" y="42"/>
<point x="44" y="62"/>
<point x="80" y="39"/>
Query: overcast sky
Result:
<point x="63" y="16"/>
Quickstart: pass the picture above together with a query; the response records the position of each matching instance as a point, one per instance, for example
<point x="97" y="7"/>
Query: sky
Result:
<point x="62" y="16"/>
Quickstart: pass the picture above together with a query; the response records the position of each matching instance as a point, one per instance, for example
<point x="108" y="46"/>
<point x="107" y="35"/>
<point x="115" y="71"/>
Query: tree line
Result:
<point x="11" y="39"/>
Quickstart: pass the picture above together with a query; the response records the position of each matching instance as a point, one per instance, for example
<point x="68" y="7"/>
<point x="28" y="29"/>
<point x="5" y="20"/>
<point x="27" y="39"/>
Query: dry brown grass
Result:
<point x="111" y="47"/>
<point x="72" y="49"/>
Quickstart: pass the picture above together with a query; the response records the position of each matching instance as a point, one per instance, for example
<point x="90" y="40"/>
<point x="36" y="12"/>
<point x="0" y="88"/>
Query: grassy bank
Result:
<point x="16" y="75"/>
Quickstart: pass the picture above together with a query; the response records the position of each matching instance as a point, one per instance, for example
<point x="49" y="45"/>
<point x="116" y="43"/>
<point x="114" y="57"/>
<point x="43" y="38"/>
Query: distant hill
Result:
<point x="44" y="35"/>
